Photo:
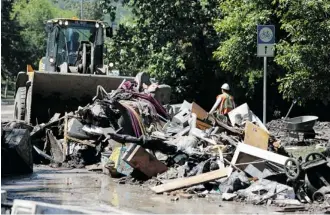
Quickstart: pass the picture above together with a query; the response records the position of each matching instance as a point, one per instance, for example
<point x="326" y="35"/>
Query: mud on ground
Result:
<point x="100" y="192"/>
<point x="278" y="128"/>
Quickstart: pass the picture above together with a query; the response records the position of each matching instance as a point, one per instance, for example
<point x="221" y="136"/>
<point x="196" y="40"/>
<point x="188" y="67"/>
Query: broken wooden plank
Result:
<point x="292" y="209"/>
<point x="138" y="158"/>
<point x="255" y="136"/>
<point x="227" y="127"/>
<point x="85" y="142"/>
<point x="190" y="181"/>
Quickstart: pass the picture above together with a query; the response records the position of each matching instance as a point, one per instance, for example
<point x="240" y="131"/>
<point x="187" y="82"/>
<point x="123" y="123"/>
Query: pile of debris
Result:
<point x="135" y="135"/>
<point x="289" y="138"/>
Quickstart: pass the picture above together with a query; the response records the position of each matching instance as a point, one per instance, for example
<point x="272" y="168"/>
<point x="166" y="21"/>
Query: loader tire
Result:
<point x="19" y="105"/>
<point x="27" y="116"/>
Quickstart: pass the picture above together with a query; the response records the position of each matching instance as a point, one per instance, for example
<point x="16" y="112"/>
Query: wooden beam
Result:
<point x="191" y="181"/>
<point x="229" y="128"/>
<point x="85" y="142"/>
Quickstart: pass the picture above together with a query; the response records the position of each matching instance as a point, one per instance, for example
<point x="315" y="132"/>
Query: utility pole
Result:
<point x="265" y="48"/>
<point x="265" y="90"/>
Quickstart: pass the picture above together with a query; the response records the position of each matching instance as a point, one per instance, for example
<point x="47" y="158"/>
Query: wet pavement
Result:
<point x="96" y="191"/>
<point x="7" y="112"/>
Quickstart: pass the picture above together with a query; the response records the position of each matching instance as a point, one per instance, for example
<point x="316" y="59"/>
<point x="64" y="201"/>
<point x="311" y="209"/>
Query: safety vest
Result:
<point x="227" y="103"/>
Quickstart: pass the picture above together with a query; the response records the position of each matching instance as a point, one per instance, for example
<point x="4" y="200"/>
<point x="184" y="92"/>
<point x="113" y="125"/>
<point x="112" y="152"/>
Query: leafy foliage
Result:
<point x="237" y="51"/>
<point x="31" y="16"/>
<point x="172" y="40"/>
<point x="305" y="52"/>
<point x="194" y="45"/>
<point x="13" y="57"/>
<point x="302" y="50"/>
<point x="91" y="9"/>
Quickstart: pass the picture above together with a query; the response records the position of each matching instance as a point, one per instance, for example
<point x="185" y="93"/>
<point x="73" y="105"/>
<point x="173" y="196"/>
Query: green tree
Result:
<point x="300" y="65"/>
<point x="91" y="9"/>
<point x="13" y="58"/>
<point x="305" y="52"/>
<point x="31" y="16"/>
<point x="172" y="40"/>
<point x="237" y="52"/>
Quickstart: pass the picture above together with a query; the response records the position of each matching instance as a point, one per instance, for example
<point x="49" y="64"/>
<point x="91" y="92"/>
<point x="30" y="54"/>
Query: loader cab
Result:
<point x="74" y="46"/>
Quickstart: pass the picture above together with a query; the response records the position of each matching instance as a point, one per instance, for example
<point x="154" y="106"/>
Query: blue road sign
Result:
<point x="266" y="34"/>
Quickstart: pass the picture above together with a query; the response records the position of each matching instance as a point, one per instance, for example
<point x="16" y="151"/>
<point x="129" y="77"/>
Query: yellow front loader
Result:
<point x="68" y="74"/>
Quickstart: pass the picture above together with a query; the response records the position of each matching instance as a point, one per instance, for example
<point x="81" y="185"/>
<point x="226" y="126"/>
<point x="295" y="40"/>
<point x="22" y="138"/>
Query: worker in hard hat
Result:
<point x="224" y="103"/>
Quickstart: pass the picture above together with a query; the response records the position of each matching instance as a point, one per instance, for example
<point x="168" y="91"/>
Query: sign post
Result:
<point x="265" y="48"/>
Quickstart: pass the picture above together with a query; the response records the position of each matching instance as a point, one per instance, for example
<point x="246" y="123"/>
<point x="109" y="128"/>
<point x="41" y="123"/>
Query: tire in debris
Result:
<point x="292" y="168"/>
<point x="19" y="105"/>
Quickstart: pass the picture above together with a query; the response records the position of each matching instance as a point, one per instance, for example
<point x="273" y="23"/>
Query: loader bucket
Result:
<point x="53" y="92"/>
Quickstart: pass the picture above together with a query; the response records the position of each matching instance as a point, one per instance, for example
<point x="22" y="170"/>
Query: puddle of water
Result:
<point x="98" y="191"/>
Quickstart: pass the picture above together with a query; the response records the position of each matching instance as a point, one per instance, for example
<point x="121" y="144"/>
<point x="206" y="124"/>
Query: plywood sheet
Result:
<point x="140" y="159"/>
<point x="200" y="112"/>
<point x="256" y="136"/>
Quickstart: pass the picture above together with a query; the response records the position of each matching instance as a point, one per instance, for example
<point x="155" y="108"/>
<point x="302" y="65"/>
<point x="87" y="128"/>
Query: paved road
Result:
<point x="7" y="112"/>
<point x="94" y="191"/>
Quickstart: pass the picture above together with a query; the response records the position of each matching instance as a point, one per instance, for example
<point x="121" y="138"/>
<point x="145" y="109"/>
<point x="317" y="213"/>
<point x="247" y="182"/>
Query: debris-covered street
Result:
<point x="131" y="141"/>
<point x="177" y="107"/>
